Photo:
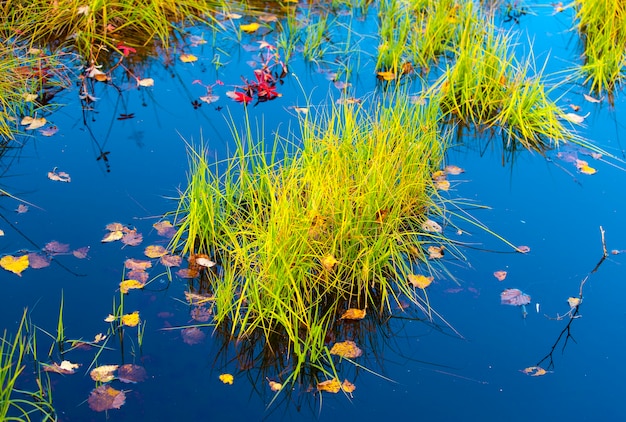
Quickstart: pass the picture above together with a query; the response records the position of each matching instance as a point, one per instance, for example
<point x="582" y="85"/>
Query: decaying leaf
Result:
<point x="66" y="367"/>
<point x="196" y="299"/>
<point x="584" y="167"/>
<point x="137" y="264"/>
<point x="59" y="177"/>
<point x="187" y="273"/>
<point x="353" y="313"/>
<point x="534" y="371"/>
<point x="386" y="76"/>
<point x="419" y="280"/>
<point x="130" y="373"/>
<point x="104" y="373"/>
<point x="81" y="253"/>
<point x="131" y="320"/>
<point x="115" y="227"/>
<point x="155" y="251"/>
<point x="330" y="386"/>
<point x="112" y="236"/>
<point x="139" y="275"/>
<point x="105" y="398"/>
<point x="347" y="386"/>
<point x="171" y="260"/>
<point x="435" y="252"/>
<point x="200" y="314"/>
<point x="591" y="99"/>
<point x="346" y="349"/>
<point x="126" y="285"/>
<point x="14" y="264"/>
<point x="21" y="209"/>
<point x="56" y="248"/>
<point x="329" y="262"/>
<point x="32" y="123"/>
<point x="37" y="261"/>
<point x="164" y="228"/>
<point x="523" y="249"/>
<point x="132" y="238"/>
<point x="500" y="275"/>
<point x="514" y="297"/>
<point x="193" y="335"/>
<point x="442" y="185"/>
<point x="145" y="82"/>
<point x="98" y="338"/>
<point x="454" y="170"/>
<point x="110" y="318"/>
<point x="573" y="302"/>
<point x="226" y="378"/>
<point x="431" y="227"/>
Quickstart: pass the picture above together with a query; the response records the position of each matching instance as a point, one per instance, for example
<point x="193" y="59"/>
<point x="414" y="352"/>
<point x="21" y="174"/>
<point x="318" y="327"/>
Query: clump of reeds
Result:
<point x="602" y="27"/>
<point x="335" y="224"/>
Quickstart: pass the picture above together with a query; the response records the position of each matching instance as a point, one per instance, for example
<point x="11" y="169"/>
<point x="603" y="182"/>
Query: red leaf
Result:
<point x="240" y="97"/>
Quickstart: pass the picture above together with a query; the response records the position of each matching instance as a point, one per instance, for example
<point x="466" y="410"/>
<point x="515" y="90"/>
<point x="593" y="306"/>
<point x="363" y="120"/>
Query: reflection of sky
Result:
<point x="533" y="202"/>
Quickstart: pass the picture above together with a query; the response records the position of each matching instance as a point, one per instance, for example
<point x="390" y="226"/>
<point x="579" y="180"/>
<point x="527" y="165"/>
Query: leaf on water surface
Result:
<point x="114" y="227"/>
<point x="187" y="273"/>
<point x="514" y="297"/>
<point x="591" y="99"/>
<point x="59" y="177"/>
<point x="584" y="167"/>
<point x="453" y="170"/>
<point x="14" y="264"/>
<point x="1" y="232"/>
<point x="275" y="386"/>
<point x="348" y="387"/>
<point x="500" y="275"/>
<point x="131" y="374"/>
<point x="32" y="123"/>
<point x="56" y="248"/>
<point x="419" y="280"/>
<point x="137" y="264"/>
<point x="21" y="209"/>
<point x="164" y="228"/>
<point x="522" y="249"/>
<point x="171" y="260"/>
<point x="126" y="285"/>
<point x="139" y="275"/>
<point x="132" y="238"/>
<point x="443" y="185"/>
<point x="227" y="378"/>
<point x="98" y="338"/>
<point x="204" y="261"/>
<point x="341" y="85"/>
<point x="105" y="398"/>
<point x="66" y="367"/>
<point x="431" y="227"/>
<point x="145" y="82"/>
<point x="435" y="252"/>
<point x="112" y="236"/>
<point x="534" y="371"/>
<point x="233" y="16"/>
<point x="131" y="320"/>
<point x="268" y="17"/>
<point x="574" y="107"/>
<point x="197" y="299"/>
<point x="196" y="40"/>
<point x="192" y="335"/>
<point x="49" y="131"/>
<point x="209" y="98"/>
<point x="346" y="349"/>
<point x="188" y="58"/>
<point x="329" y="262"/>
<point x="353" y="313"/>
<point x="104" y="373"/>
<point x="575" y="118"/>
<point x="200" y="314"/>
<point x="573" y="301"/>
<point x="155" y="251"/>
<point x="28" y="97"/>
<point x="386" y="76"/>
<point x="250" y="28"/>
<point x="330" y="386"/>
<point x="37" y="261"/>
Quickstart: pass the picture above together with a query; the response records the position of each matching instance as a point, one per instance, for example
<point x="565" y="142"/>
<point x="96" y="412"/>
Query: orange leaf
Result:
<point x="353" y="313"/>
<point x="188" y="58"/>
<point x="275" y="386"/>
<point x="347" y="386"/>
<point x="330" y="386"/>
<point x="126" y="285"/>
<point x="155" y="251"/>
<point x="105" y="398"/>
<point x="386" y="76"/>
<point x="346" y="349"/>
<point x="435" y="252"/>
<point x="13" y="264"/>
<point x="534" y="371"/>
<point x="421" y="281"/>
<point x="500" y="275"/>
<point x="328" y="262"/>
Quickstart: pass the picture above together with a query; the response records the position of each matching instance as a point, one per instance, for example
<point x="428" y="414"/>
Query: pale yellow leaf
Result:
<point x="104" y="373"/>
<point x="145" y="82"/>
<point x="591" y="99"/>
<point x="112" y="236"/>
<point x="573" y="302"/>
<point x="109" y="318"/>
<point x="155" y="251"/>
<point x="346" y="349"/>
<point x="419" y="280"/>
<point x="431" y="226"/>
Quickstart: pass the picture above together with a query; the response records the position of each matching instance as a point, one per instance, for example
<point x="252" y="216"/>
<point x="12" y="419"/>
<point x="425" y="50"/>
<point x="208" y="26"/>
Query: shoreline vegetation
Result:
<point x="350" y="215"/>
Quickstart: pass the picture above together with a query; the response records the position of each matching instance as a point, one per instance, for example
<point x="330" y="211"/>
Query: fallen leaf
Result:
<point x="453" y="170"/>
<point x="98" y="338"/>
<point x="132" y="238"/>
<point x="21" y="209"/>
<point x="110" y="318"/>
<point x="66" y="367"/>
<point x="188" y="58"/>
<point x="500" y="275"/>
<point x="330" y="386"/>
<point x="145" y="82"/>
<point x="126" y="285"/>
<point x="386" y="76"/>
<point x="28" y="97"/>
<point x="329" y="262"/>
<point x="155" y="251"/>
<point x="347" y="386"/>
<point x="431" y="227"/>
<point x="115" y="227"/>
<point x="573" y="301"/>
<point x="105" y="398"/>
<point x="201" y="314"/>
<point x="81" y="253"/>
<point x="165" y="229"/>
<point x="197" y="299"/>
<point x="534" y="371"/>
<point x="130" y="373"/>
<point x="131" y="320"/>
<point x="353" y="313"/>
<point x="574" y="107"/>
<point x="250" y="28"/>
<point x="37" y="261"/>
<point x="32" y="123"/>
<point x="104" y="373"/>
<point x="139" y="275"/>
<point x="435" y="252"/>
<point x="584" y="167"/>
<point x="346" y="349"/>
<point x="56" y="248"/>
<point x="275" y="386"/>
<point x="14" y="264"/>
<point x="575" y="118"/>
<point x="112" y="236"/>
<point x="137" y="264"/>
<point x="49" y="131"/>
<point x="522" y="249"/>
<point x="187" y="273"/>
<point x="226" y="378"/>
<point x="171" y="260"/>
<point x="419" y="280"/>
<point x="192" y="335"/>
<point x="514" y="297"/>
<point x="205" y="262"/>
<point x="443" y="185"/>
<point x="591" y="99"/>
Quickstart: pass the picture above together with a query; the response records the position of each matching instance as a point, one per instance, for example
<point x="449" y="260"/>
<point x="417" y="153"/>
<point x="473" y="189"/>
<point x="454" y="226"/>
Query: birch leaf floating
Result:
<point x="514" y="297"/>
<point x="500" y="275"/>
<point x="419" y="280"/>
<point x="106" y="397"/>
<point x="14" y="264"/>
<point x="346" y="349"/>
<point x="227" y="378"/>
<point x="353" y="313"/>
<point x="431" y="226"/>
<point x="534" y="371"/>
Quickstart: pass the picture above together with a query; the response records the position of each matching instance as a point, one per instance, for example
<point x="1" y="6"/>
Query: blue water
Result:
<point x="424" y="371"/>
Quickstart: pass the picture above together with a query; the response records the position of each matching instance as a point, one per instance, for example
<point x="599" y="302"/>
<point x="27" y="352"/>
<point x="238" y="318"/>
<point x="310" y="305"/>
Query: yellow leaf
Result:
<point x="250" y="28"/>
<point x="353" y="313"/>
<point x="131" y="320"/>
<point x="188" y="58"/>
<point x="573" y="302"/>
<point x="275" y="386"/>
<point x="330" y="386"/>
<point x="435" y="252"/>
<point x="386" y="76"/>
<point x="13" y="264"/>
<point x="226" y="378"/>
<point x="126" y="285"/>
<point x="99" y="337"/>
<point x="29" y="97"/>
<point x="155" y="251"/>
<point x="439" y="175"/>
<point x="112" y="236"/>
<point x="347" y="386"/>
<point x="103" y="373"/>
<point x="32" y="123"/>
<point x="346" y="349"/>
<point x="328" y="262"/>
<point x="442" y="185"/>
<point x="109" y="318"/>
<point x="419" y="280"/>
<point x="584" y="168"/>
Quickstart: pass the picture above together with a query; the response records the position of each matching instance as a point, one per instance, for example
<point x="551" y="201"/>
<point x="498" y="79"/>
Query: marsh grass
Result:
<point x="15" y="404"/>
<point x="302" y="235"/>
<point x="602" y="28"/>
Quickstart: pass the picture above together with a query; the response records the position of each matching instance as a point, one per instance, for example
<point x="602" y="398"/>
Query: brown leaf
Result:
<point x="21" y="209"/>
<point x="435" y="252"/>
<point x="130" y="373"/>
<point x="171" y="260"/>
<point x="165" y="229"/>
<point x="114" y="227"/>
<point x="132" y="238"/>
<point x="106" y="397"/>
<point x="346" y="349"/>
<point x="37" y="261"/>
<point x="81" y="253"/>
<point x="353" y="313"/>
<point x="500" y="275"/>
<point x="347" y="386"/>
<point x="155" y="251"/>
<point x="55" y="248"/>
<point x="137" y="264"/>
<point x="139" y="275"/>
<point x="192" y="335"/>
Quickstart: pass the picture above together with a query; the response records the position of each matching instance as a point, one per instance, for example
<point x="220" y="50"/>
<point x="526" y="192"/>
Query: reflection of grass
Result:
<point x="333" y="226"/>
<point x="16" y="404"/>
<point x="602" y="26"/>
